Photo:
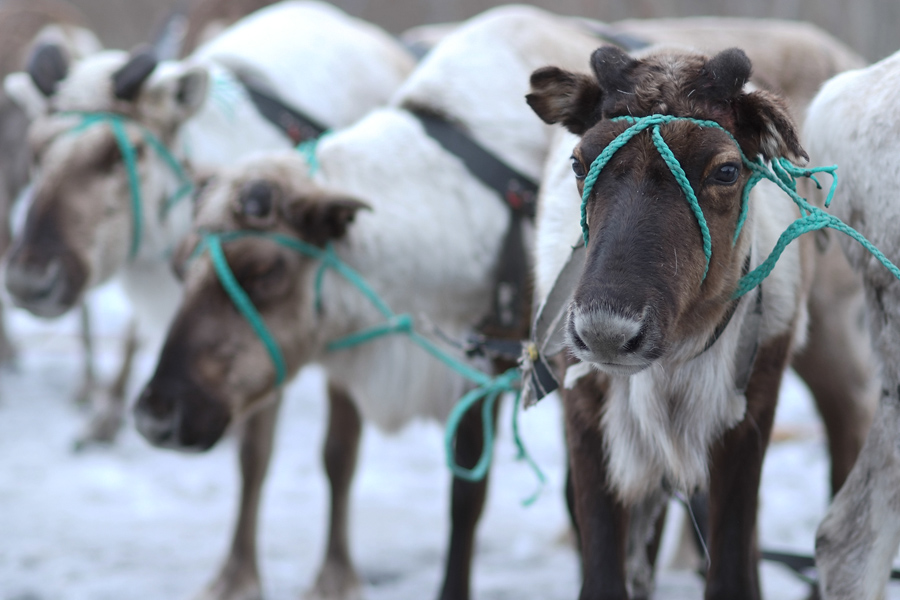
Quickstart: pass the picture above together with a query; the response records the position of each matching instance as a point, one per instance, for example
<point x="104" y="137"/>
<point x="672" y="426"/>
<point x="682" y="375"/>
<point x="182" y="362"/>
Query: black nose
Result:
<point x="180" y="416"/>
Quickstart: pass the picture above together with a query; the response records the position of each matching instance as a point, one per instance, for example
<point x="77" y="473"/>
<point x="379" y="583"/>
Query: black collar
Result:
<point x="296" y="125"/>
<point x="518" y="190"/>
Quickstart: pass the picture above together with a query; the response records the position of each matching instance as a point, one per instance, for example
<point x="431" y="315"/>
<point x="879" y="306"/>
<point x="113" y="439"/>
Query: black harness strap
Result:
<point x="298" y="126"/>
<point x="520" y="194"/>
<point x="519" y="191"/>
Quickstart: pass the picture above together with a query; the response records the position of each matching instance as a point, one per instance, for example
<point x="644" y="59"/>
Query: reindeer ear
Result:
<point x="612" y="67"/>
<point x="321" y="220"/>
<point x="764" y="118"/>
<point x="47" y="66"/>
<point x="724" y="75"/>
<point x="559" y="96"/>
<point x="175" y="94"/>
<point x="128" y="80"/>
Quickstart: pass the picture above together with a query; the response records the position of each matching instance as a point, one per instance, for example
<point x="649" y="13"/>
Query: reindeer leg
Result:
<point x="109" y="405"/>
<point x="857" y="540"/>
<point x="466" y="505"/>
<point x="89" y="378"/>
<point x="603" y="522"/>
<point x="734" y="483"/>
<point x="838" y="363"/>
<point x="238" y="579"/>
<point x="337" y="579"/>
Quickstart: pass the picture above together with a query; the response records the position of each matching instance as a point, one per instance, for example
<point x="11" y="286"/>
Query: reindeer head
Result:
<point x="95" y="183"/>
<point x="654" y="284"/>
<point x="214" y="365"/>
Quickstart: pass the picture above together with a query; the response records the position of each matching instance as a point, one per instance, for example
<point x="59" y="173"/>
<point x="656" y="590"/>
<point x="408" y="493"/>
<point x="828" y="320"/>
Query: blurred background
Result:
<point x="871" y="27"/>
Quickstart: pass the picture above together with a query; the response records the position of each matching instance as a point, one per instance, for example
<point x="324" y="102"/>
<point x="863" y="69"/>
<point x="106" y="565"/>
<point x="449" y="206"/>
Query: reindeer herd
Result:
<point x="183" y="179"/>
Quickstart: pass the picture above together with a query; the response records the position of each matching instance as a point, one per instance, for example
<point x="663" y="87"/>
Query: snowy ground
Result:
<point x="133" y="522"/>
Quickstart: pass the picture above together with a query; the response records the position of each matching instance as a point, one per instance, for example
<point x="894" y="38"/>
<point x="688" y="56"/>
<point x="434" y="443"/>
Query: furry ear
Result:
<point x="47" y="66"/>
<point x="321" y="220"/>
<point x="612" y="66"/>
<point x="725" y="74"/>
<point x="764" y="118"/>
<point x="173" y="95"/>
<point x="128" y="80"/>
<point x="559" y="96"/>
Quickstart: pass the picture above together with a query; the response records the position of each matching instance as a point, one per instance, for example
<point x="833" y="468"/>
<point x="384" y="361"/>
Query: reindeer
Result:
<point x="176" y="117"/>
<point x="850" y="123"/>
<point x="26" y="26"/>
<point x="670" y="380"/>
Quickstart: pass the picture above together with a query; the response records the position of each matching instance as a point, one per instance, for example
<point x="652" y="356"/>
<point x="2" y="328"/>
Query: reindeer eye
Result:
<point x="727" y="174"/>
<point x="578" y="168"/>
<point x="257" y="199"/>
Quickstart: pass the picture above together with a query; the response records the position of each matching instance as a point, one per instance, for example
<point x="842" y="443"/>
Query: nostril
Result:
<point x="154" y="406"/>
<point x="634" y="344"/>
<point x="33" y="282"/>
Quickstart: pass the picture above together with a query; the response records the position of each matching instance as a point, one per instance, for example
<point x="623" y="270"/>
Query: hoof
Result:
<point x="104" y="425"/>
<point x="229" y="589"/>
<point x="336" y="583"/>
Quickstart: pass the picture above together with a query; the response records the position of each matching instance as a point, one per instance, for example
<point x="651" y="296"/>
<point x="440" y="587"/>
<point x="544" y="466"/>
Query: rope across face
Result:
<point x="780" y="171"/>
<point x="117" y="123"/>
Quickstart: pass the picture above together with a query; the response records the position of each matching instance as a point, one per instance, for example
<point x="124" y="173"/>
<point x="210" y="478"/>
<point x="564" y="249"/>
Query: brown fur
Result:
<point x="630" y="274"/>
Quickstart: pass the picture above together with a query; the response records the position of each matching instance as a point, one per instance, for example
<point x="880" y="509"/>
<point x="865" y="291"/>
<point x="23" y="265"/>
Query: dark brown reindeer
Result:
<point x="659" y="404"/>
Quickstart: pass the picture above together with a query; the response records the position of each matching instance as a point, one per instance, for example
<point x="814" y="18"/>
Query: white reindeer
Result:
<point x="853" y="122"/>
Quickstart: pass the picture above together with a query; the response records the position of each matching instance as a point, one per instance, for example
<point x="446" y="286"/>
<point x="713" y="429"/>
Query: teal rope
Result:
<point x="781" y="172"/>
<point x="244" y="305"/>
<point x="488" y="388"/>
<point x="681" y="177"/>
<point x="129" y="156"/>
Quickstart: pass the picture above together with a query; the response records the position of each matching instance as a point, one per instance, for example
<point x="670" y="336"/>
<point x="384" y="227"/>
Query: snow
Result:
<point x="131" y="521"/>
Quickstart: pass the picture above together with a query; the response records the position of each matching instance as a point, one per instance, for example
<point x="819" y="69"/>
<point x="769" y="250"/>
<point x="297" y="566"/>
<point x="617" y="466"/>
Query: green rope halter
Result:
<point x="488" y="388"/>
<point x="117" y="123"/>
<point x="781" y="172"/>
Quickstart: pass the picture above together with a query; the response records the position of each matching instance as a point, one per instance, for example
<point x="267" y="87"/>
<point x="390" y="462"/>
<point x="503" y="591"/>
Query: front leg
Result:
<point x="107" y="405"/>
<point x="734" y="483"/>
<point x="337" y="579"/>
<point x="857" y="540"/>
<point x="466" y="505"/>
<point x="238" y="579"/>
<point x="602" y="519"/>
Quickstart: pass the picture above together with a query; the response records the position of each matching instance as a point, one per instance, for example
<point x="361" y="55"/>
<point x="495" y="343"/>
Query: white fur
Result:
<point x="649" y="437"/>
<point x="853" y="122"/>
